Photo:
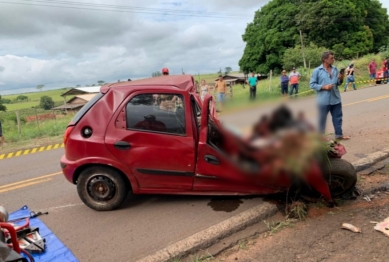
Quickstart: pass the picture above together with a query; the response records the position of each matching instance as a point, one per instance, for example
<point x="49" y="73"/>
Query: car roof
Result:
<point x="183" y="82"/>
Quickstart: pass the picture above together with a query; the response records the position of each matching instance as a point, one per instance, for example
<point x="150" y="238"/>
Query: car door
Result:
<point x="214" y="169"/>
<point x="155" y="142"/>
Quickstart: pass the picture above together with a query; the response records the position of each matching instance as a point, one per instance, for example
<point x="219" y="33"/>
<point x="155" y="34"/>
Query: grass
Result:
<point x="30" y="130"/>
<point x="275" y="227"/>
<point x="297" y="210"/>
<point x="34" y="98"/>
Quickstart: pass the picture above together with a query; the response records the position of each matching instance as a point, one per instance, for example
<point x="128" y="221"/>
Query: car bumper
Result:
<point x="68" y="168"/>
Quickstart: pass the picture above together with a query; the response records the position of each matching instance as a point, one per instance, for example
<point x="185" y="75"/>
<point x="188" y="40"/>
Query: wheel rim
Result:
<point x="101" y="188"/>
<point x="336" y="185"/>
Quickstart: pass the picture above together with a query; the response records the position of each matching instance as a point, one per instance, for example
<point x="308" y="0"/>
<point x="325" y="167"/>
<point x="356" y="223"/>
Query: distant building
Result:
<point x="236" y="79"/>
<point x="81" y="96"/>
<point x="239" y="78"/>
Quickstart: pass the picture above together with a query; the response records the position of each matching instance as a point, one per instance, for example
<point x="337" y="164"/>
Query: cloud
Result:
<point x="67" y="46"/>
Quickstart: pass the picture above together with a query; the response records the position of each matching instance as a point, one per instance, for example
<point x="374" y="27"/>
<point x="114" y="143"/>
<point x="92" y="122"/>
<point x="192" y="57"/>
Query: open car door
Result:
<point x="216" y="168"/>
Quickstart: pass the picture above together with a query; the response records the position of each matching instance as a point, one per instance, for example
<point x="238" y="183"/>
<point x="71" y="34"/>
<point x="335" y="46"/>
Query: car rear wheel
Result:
<point x="102" y="188"/>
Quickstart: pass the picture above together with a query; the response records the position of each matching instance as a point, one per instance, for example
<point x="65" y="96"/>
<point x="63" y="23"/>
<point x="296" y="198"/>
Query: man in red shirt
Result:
<point x="372" y="71"/>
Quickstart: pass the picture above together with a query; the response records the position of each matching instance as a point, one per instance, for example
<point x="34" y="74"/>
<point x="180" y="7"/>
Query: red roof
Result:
<point x="184" y="82"/>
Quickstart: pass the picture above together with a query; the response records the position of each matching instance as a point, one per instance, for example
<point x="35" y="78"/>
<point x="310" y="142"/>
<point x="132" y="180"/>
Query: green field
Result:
<point x="34" y="98"/>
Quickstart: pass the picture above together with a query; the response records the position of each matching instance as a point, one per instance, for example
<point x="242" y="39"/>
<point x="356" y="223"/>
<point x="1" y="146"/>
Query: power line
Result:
<point x="97" y="8"/>
<point x="135" y="7"/>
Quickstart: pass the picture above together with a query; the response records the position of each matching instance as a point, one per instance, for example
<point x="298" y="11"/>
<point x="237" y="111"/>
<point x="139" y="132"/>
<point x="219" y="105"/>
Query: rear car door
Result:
<point x="153" y="136"/>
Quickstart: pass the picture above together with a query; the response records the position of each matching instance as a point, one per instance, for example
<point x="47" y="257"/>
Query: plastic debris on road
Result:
<point x="351" y="228"/>
<point x="383" y="227"/>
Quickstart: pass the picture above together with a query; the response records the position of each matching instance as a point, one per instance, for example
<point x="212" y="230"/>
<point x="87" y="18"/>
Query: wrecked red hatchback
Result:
<point x="155" y="136"/>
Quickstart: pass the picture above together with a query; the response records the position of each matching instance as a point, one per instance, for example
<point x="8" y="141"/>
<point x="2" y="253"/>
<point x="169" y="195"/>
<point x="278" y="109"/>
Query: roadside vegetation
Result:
<point x="30" y="100"/>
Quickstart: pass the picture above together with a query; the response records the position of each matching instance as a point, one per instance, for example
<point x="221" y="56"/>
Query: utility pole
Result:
<point x="302" y="48"/>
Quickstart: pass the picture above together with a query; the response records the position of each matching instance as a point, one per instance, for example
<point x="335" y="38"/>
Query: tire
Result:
<point x="102" y="188"/>
<point x="341" y="176"/>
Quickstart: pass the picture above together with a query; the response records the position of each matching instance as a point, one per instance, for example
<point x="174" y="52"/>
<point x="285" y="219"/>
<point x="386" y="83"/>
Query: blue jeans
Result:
<point x="337" y="118"/>
<point x="386" y="74"/>
<point x="350" y="79"/>
<point x="294" y="86"/>
<point x="221" y="97"/>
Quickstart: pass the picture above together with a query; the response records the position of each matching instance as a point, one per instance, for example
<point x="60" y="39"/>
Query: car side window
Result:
<point x="164" y="113"/>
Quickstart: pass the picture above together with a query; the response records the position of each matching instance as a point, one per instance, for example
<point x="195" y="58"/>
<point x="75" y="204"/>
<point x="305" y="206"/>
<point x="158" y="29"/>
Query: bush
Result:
<point x="46" y="102"/>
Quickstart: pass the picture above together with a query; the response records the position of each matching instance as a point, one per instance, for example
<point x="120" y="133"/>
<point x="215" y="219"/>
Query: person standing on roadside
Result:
<point x="204" y="90"/>
<point x="284" y="83"/>
<point x="294" y="78"/>
<point x="221" y="88"/>
<point x="385" y="67"/>
<point x="2" y="140"/>
<point x="350" y="77"/>
<point x="372" y="71"/>
<point x="253" y="80"/>
<point x="325" y="80"/>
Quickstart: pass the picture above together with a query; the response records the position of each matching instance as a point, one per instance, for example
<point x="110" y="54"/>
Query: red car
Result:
<point x="380" y="77"/>
<point x="155" y="136"/>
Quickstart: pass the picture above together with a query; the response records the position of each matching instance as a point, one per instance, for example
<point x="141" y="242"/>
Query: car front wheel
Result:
<point x="102" y="188"/>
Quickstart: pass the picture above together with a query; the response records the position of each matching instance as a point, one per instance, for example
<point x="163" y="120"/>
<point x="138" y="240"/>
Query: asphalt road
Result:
<point x="146" y="224"/>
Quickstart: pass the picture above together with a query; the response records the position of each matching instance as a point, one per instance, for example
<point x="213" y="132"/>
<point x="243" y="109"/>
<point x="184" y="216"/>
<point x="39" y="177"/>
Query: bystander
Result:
<point x="2" y="140"/>
<point x="294" y="78"/>
<point x="350" y="77"/>
<point x="372" y="71"/>
<point x="284" y="83"/>
<point x="253" y="80"/>
<point x="221" y="88"/>
<point x="326" y="80"/>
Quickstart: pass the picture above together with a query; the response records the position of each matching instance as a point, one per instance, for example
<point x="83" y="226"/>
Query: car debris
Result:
<point x="383" y="227"/>
<point x="351" y="228"/>
<point x="367" y="198"/>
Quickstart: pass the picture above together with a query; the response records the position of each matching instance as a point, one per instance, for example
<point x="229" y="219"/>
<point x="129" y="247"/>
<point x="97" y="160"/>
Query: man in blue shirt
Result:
<point x="253" y="85"/>
<point x="325" y="80"/>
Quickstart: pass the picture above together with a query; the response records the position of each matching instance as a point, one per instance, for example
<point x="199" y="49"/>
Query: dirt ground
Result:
<point x="320" y="237"/>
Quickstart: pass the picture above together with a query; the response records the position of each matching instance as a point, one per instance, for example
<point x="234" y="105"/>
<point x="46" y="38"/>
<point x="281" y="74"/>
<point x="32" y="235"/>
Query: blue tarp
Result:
<point x="55" y="250"/>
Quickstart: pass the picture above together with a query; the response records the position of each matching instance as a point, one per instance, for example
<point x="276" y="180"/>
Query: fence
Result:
<point x="25" y="124"/>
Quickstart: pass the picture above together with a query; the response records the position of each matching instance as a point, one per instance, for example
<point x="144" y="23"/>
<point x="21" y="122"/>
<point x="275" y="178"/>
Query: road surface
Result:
<point x="146" y="224"/>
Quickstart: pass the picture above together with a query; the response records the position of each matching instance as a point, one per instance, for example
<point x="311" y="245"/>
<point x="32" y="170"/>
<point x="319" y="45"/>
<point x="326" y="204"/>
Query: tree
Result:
<point x="292" y="56"/>
<point x="348" y="27"/>
<point x="46" y="102"/>
<point x="228" y="70"/>
<point x="156" y="73"/>
<point x="40" y="87"/>
<point x="22" y="98"/>
<point x="77" y="85"/>
<point x="100" y="82"/>
<point x="2" y="107"/>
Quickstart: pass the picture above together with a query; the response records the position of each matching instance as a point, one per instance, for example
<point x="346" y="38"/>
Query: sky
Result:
<point x="64" y="43"/>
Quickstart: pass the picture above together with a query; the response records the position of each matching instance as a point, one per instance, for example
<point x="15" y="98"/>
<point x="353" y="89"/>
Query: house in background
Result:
<point x="81" y="96"/>
<point x="239" y="78"/>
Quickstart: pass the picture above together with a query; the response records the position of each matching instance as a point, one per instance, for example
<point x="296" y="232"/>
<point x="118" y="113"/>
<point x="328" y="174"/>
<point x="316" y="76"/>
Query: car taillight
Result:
<point x="67" y="134"/>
